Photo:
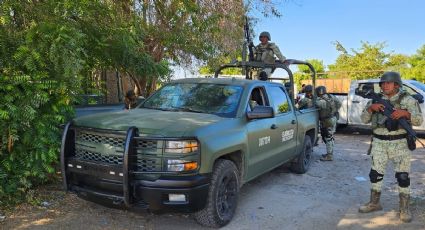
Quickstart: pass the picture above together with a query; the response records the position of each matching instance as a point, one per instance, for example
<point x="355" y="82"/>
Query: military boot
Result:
<point x="327" y="157"/>
<point x="373" y="204"/>
<point x="405" y="215"/>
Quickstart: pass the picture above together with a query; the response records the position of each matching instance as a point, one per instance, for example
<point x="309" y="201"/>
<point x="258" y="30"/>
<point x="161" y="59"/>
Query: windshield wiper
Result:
<point x="158" y="108"/>
<point x="176" y="109"/>
<point x="187" y="109"/>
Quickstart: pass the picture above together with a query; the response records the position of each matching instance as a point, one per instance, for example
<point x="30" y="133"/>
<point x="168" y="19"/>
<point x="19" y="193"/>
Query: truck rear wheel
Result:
<point x="303" y="161"/>
<point x="222" y="196"/>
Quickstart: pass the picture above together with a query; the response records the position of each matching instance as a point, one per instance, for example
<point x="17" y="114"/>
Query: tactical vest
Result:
<point x="330" y="109"/>
<point x="305" y="103"/>
<point x="264" y="54"/>
<point x="381" y="121"/>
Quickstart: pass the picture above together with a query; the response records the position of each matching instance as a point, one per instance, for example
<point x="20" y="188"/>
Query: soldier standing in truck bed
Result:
<point x="266" y="52"/>
<point x="390" y="143"/>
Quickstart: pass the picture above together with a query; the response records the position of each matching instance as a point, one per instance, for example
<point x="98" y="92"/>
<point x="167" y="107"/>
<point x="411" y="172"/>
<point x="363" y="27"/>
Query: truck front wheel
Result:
<point x="222" y="195"/>
<point x="303" y="161"/>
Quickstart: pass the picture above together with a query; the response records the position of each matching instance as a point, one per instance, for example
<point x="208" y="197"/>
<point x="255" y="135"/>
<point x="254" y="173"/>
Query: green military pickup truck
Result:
<point x="189" y="147"/>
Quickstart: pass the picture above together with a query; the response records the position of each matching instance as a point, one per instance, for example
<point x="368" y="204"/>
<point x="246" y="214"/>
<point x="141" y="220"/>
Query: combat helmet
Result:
<point x="391" y="77"/>
<point x="308" y="88"/>
<point x="320" y="90"/>
<point x="263" y="76"/>
<point x="266" y="34"/>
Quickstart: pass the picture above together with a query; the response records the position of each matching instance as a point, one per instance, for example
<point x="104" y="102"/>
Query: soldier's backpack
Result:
<point x="332" y="107"/>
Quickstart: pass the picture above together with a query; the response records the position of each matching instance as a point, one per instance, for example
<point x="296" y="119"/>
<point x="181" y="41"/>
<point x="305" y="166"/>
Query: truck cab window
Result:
<point x="363" y="88"/>
<point x="280" y="100"/>
<point x="257" y="98"/>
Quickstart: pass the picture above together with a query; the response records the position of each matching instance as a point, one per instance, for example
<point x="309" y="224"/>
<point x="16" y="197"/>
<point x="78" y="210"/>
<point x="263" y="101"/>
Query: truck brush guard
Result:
<point x="116" y="158"/>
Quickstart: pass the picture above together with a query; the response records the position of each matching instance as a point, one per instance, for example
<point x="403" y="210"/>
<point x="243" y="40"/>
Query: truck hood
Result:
<point x="149" y="121"/>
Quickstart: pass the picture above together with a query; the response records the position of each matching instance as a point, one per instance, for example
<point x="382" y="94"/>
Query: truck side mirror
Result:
<point x="419" y="98"/>
<point x="259" y="112"/>
<point x="359" y="92"/>
<point x="364" y="90"/>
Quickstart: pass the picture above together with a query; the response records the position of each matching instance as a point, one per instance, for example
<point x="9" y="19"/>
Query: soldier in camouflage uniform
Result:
<point x="307" y="100"/>
<point x="391" y="144"/>
<point x="328" y="106"/>
<point x="266" y="51"/>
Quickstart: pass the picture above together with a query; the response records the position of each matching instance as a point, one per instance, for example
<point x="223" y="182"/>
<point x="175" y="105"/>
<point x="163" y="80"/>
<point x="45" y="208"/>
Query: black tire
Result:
<point x="341" y="126"/>
<point x="222" y="196"/>
<point x="303" y="161"/>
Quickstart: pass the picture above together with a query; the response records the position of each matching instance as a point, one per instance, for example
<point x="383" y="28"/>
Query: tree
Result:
<point x="369" y="61"/>
<point x="185" y="31"/>
<point x="304" y="73"/>
<point x="415" y="66"/>
<point x="222" y="38"/>
<point x="43" y="58"/>
<point x="268" y="8"/>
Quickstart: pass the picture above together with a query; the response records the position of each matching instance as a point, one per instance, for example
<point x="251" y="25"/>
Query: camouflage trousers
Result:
<point x="327" y="130"/>
<point x="395" y="151"/>
<point x="267" y="70"/>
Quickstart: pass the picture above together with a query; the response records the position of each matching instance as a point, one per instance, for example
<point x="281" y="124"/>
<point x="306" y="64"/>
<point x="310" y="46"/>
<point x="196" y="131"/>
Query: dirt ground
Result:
<point x="326" y="197"/>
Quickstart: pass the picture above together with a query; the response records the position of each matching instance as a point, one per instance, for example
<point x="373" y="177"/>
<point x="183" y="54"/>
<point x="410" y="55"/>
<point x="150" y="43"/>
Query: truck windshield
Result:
<point x="221" y="100"/>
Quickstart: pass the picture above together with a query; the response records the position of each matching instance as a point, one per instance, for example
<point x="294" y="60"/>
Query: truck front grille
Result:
<point x="102" y="147"/>
<point x="98" y="157"/>
<point x="148" y="165"/>
<point x="98" y="138"/>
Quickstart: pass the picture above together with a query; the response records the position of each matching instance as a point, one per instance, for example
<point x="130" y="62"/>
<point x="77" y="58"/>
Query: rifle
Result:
<point x="248" y="40"/>
<point x="388" y="110"/>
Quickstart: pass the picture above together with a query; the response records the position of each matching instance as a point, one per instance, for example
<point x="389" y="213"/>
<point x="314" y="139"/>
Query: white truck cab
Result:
<point x="353" y="104"/>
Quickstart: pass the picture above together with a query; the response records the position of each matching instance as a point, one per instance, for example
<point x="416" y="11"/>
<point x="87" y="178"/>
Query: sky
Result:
<point x="308" y="28"/>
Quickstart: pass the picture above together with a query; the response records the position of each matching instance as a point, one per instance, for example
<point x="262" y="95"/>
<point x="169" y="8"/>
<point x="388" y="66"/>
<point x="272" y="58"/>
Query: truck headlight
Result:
<point x="181" y="165"/>
<point x="187" y="146"/>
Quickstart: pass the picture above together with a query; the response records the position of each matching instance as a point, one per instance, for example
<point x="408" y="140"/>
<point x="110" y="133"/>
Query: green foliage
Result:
<point x="213" y="65"/>
<point x="369" y="61"/>
<point x="304" y="73"/>
<point x="224" y="21"/>
<point x="283" y="108"/>
<point x="317" y="65"/>
<point x="188" y="31"/>
<point x="415" y="68"/>
<point x="47" y="49"/>
<point x="37" y="79"/>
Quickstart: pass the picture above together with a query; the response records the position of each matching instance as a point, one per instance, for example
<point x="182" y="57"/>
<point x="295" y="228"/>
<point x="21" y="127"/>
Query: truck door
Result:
<point x="357" y="103"/>
<point x="286" y="122"/>
<point x="412" y="92"/>
<point x="262" y="136"/>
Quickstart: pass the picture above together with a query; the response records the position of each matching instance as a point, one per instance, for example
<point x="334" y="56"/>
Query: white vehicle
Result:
<point x="353" y="104"/>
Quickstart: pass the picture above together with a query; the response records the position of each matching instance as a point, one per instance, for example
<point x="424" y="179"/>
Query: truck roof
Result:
<point x="225" y="81"/>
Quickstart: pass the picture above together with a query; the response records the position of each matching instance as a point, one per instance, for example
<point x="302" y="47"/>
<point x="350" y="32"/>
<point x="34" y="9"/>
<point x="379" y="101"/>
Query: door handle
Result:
<point x="273" y="126"/>
<point x="293" y="122"/>
<point x="355" y="102"/>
